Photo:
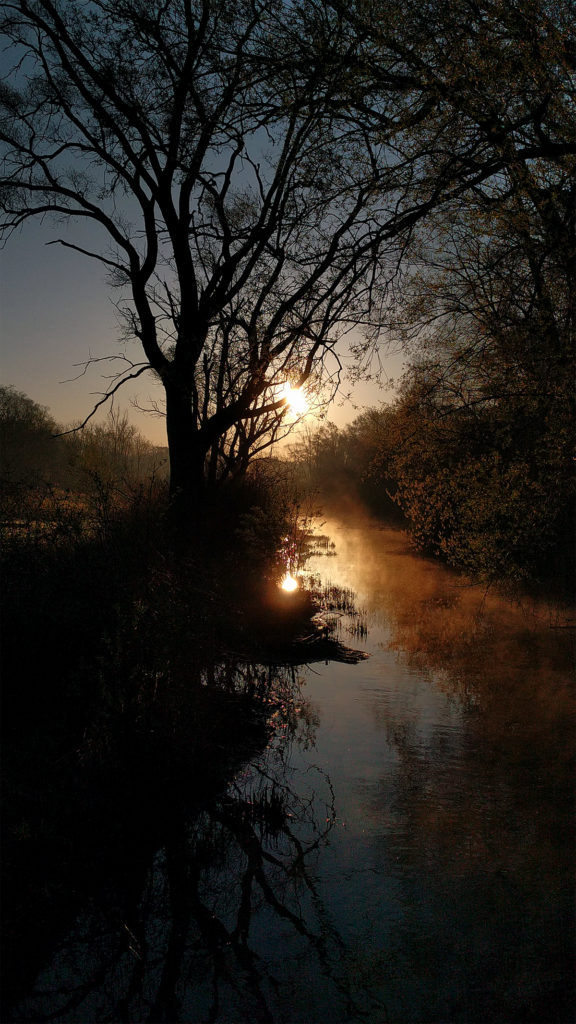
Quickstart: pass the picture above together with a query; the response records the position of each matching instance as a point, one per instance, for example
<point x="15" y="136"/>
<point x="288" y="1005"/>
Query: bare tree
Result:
<point x="487" y="87"/>
<point x="491" y="295"/>
<point x="249" y="168"/>
<point x="230" y="202"/>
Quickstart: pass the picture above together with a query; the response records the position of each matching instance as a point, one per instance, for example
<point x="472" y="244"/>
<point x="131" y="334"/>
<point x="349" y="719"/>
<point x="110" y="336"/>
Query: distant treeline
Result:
<point x="104" y="455"/>
<point x="489" y="488"/>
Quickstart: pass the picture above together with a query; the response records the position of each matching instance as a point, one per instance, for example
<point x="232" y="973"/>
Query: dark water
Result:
<point x="401" y="850"/>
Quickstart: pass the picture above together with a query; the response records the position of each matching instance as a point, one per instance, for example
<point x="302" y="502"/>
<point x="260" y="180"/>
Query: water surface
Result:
<point x="402" y="849"/>
<point x="450" y="752"/>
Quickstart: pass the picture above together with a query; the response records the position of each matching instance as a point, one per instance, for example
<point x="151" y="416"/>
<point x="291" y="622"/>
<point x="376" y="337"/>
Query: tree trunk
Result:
<point x="187" y="456"/>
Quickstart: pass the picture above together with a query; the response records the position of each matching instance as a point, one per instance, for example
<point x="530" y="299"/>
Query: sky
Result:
<point x="57" y="311"/>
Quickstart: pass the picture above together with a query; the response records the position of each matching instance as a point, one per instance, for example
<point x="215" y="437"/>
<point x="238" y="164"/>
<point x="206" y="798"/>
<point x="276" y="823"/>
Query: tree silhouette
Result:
<point x="249" y="169"/>
<point x="234" y="210"/>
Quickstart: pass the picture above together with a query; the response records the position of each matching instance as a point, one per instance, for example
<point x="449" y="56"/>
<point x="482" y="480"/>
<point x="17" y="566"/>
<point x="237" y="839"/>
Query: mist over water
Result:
<point x="401" y="848"/>
<point x="450" y="751"/>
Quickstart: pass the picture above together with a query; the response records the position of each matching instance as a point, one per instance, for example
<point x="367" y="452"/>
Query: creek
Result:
<point x="401" y="849"/>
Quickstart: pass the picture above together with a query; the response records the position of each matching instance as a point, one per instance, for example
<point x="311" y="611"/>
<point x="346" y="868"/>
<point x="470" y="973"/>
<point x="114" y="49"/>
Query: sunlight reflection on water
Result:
<point x="289" y="583"/>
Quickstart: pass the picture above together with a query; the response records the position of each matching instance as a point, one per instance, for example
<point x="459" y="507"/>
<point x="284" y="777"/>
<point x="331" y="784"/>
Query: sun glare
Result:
<point x="289" y="583"/>
<point x="296" y="399"/>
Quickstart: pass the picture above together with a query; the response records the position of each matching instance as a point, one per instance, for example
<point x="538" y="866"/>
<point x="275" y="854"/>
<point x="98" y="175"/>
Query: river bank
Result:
<point x="398" y="845"/>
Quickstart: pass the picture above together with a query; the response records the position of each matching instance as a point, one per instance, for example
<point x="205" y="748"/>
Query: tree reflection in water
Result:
<point x="184" y="936"/>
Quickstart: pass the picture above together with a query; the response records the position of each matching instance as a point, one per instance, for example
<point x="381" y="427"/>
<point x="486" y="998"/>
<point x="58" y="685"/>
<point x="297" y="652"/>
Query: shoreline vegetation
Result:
<point x="138" y="675"/>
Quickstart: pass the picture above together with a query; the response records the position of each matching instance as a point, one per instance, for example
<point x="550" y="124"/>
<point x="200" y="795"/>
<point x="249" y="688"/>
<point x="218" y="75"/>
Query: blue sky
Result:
<point x="57" y="311"/>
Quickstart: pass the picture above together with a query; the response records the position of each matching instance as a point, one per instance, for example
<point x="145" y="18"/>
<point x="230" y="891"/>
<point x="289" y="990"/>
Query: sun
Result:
<point x="295" y="399"/>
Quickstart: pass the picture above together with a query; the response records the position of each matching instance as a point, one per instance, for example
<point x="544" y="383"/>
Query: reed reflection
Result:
<point x="180" y="931"/>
